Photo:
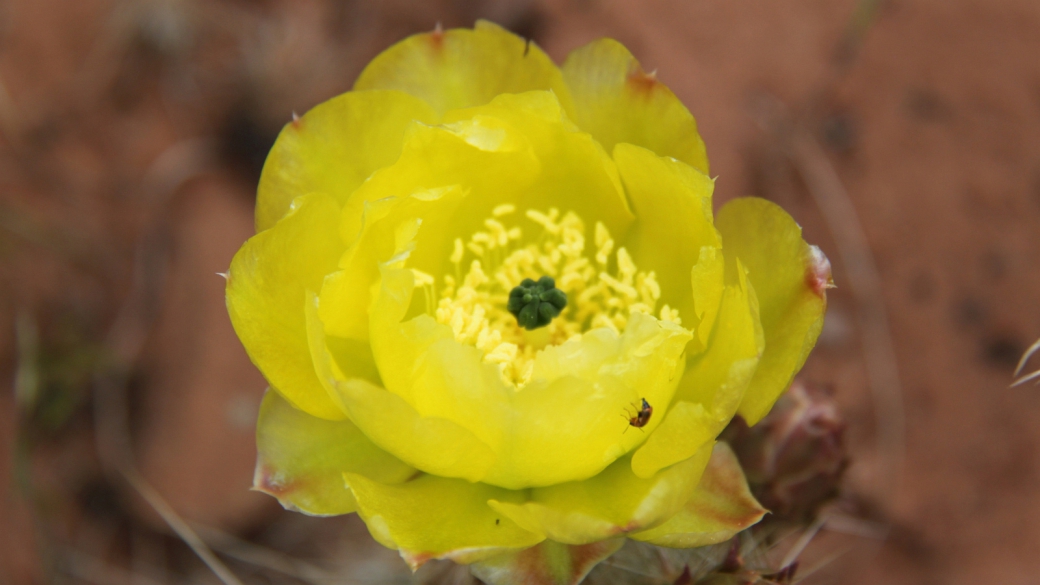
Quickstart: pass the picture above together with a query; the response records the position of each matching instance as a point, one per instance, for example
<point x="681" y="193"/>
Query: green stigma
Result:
<point x="534" y="304"/>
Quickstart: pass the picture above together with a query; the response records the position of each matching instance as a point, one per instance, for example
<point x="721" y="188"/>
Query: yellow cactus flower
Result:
<point x="498" y="316"/>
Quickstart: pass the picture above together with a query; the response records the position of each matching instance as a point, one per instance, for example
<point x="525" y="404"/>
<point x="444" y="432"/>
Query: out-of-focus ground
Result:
<point x="131" y="135"/>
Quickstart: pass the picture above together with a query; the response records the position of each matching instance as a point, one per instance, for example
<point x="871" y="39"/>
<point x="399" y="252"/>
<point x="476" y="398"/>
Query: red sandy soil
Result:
<point x="132" y="130"/>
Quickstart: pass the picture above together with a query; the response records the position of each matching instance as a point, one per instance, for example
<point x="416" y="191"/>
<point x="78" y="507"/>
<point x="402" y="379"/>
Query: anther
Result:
<point x="535" y="304"/>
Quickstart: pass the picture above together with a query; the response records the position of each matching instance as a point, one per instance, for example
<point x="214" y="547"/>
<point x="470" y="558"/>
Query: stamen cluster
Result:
<point x="603" y="287"/>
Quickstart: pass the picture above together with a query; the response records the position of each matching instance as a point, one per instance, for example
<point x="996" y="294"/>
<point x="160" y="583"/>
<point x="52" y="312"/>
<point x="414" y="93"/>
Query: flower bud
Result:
<point x="795" y="457"/>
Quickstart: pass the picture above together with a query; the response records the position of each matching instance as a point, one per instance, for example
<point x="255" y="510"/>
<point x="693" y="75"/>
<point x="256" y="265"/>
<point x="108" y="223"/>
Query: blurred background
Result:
<point x="904" y="136"/>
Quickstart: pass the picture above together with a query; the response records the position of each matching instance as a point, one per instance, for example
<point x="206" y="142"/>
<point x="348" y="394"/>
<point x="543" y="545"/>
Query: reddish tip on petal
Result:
<point x="416" y="560"/>
<point x="630" y="527"/>
<point x="266" y="479"/>
<point x="436" y="38"/>
<point x="818" y="272"/>
<point x="643" y="83"/>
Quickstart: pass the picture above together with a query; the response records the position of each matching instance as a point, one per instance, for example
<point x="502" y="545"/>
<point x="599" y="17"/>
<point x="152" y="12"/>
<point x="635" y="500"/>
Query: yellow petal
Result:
<point x="353" y="359"/>
<point x="611" y="504"/>
<point x="721" y="506"/>
<point x="571" y="418"/>
<point x="574" y="172"/>
<point x="672" y="205"/>
<point x="336" y="358"/>
<point x="518" y="149"/>
<point x="548" y="563"/>
<point x="434" y="517"/>
<point x="718" y="378"/>
<point x="686" y="428"/>
<point x="301" y="459"/>
<point x="266" y="296"/>
<point x="334" y="147"/>
<point x="568" y="423"/>
<point x="615" y="101"/>
<point x="789" y="278"/>
<point x="346" y="294"/>
<point x="708" y="281"/>
<point x="462" y="68"/>
<point x="433" y="444"/>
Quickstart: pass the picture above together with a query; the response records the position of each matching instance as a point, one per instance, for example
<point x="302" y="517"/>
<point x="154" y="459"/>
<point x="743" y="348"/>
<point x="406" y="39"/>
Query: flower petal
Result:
<point x="518" y="149"/>
<point x="346" y="294"/>
<point x="433" y="444"/>
<point x="615" y="101"/>
<point x="334" y="147"/>
<point x="708" y="280"/>
<point x="548" y="563"/>
<point x="266" y="296"/>
<point x="721" y="506"/>
<point x="301" y="459"/>
<point x="434" y="517"/>
<point x="686" y="429"/>
<point x="570" y="421"/>
<point x="611" y="504"/>
<point x="718" y="378"/>
<point x="462" y="68"/>
<point x="575" y="173"/>
<point x="566" y="424"/>
<point x="789" y="278"/>
<point x="672" y="205"/>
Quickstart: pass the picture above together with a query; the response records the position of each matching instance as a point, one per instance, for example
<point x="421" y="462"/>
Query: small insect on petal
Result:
<point x="642" y="416"/>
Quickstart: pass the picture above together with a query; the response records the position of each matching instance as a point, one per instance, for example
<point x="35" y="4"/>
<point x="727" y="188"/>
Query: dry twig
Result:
<point x="264" y="557"/>
<point x="1022" y="364"/>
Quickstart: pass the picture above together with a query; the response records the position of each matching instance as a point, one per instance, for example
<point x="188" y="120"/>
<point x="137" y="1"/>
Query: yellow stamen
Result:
<point x="504" y="209"/>
<point x="456" y="255"/>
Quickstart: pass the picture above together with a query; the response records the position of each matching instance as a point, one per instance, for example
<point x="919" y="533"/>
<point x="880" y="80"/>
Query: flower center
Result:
<point x="534" y="304"/>
<point x="601" y="288"/>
